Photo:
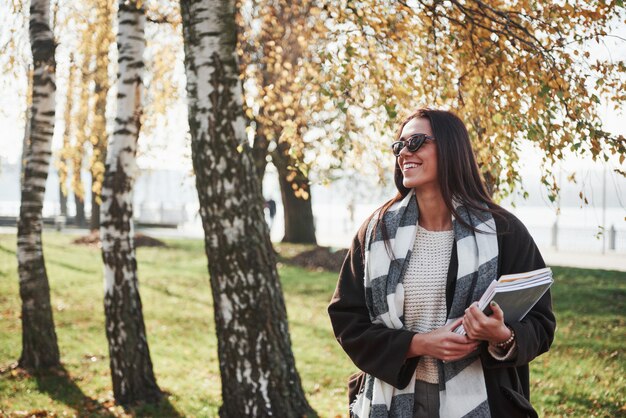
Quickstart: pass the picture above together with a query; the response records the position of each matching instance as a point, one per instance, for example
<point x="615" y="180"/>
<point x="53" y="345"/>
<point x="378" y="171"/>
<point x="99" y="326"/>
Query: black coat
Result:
<point x="380" y="351"/>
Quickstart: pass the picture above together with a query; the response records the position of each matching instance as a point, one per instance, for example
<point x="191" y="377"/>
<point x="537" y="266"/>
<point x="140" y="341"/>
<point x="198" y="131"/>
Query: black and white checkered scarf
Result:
<point x="461" y="383"/>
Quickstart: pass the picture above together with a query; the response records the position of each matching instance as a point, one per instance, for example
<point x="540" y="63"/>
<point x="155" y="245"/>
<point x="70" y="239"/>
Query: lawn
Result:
<point x="583" y="375"/>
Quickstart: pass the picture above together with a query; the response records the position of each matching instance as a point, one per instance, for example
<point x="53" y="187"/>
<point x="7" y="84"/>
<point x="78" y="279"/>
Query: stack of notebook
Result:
<point x="516" y="294"/>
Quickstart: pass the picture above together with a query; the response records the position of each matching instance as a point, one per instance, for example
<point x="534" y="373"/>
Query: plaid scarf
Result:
<point x="462" y="390"/>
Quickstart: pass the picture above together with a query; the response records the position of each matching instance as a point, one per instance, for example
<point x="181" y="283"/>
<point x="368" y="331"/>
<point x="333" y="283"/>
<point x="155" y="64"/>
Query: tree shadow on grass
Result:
<point x="164" y="409"/>
<point x="187" y="297"/>
<point x="71" y="267"/>
<point x="7" y="250"/>
<point x="60" y="386"/>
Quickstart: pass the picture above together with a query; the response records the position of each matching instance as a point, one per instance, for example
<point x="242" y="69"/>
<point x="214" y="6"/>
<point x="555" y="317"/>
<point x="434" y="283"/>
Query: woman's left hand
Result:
<point x="482" y="327"/>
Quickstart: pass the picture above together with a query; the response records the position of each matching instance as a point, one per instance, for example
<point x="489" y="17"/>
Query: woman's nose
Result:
<point x="405" y="150"/>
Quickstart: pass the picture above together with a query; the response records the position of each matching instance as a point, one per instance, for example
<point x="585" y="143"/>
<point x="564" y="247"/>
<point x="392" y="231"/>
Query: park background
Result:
<point x="582" y="375"/>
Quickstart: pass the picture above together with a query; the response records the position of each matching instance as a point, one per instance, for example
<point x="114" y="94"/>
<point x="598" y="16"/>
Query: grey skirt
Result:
<point x="426" y="404"/>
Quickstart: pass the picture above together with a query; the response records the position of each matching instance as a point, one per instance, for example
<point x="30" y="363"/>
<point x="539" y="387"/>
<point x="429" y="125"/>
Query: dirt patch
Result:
<point x="319" y="258"/>
<point x="141" y="240"/>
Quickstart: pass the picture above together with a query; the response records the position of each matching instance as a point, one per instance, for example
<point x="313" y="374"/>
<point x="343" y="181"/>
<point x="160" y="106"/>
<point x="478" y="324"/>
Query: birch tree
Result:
<point x="39" y="341"/>
<point x="259" y="376"/>
<point x="131" y="366"/>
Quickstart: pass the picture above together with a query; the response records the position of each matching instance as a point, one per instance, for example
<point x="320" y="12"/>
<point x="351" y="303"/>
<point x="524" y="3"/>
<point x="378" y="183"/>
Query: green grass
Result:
<point x="583" y="375"/>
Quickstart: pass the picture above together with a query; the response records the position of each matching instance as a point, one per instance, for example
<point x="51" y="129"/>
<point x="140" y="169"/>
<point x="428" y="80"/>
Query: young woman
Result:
<point x="411" y="277"/>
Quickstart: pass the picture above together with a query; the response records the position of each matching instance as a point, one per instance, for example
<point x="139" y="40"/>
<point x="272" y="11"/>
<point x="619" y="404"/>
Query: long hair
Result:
<point x="457" y="171"/>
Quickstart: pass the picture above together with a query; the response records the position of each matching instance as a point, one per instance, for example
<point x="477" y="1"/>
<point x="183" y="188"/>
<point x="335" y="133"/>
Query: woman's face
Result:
<point x="419" y="168"/>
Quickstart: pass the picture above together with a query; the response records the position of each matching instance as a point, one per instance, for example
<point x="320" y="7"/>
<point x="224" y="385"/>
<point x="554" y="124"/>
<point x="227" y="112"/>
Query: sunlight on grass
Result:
<point x="583" y="375"/>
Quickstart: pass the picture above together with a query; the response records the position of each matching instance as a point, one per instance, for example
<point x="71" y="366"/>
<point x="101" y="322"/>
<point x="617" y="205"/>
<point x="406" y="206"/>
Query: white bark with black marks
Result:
<point x="257" y="366"/>
<point x="131" y="366"/>
<point x="39" y="342"/>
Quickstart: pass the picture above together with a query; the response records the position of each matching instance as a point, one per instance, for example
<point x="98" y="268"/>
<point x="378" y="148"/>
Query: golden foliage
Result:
<point x="85" y="121"/>
<point x="332" y="79"/>
<point x="278" y="50"/>
<point x="65" y="154"/>
<point x="512" y="71"/>
<point x="83" y="113"/>
<point x="91" y="22"/>
<point x="104" y="38"/>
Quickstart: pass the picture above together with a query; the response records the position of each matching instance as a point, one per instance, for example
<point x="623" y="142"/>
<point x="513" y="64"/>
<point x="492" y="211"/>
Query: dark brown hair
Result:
<point x="457" y="171"/>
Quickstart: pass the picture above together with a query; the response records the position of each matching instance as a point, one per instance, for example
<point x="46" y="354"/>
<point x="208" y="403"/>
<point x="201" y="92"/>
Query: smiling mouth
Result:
<point x="408" y="166"/>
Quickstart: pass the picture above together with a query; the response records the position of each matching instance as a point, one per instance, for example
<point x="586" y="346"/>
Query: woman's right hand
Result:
<point x="442" y="344"/>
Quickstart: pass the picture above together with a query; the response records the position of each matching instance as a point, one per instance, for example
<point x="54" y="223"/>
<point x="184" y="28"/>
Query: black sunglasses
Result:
<point x="414" y="143"/>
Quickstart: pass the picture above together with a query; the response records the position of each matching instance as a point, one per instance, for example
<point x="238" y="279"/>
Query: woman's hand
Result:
<point x="442" y="344"/>
<point x="487" y="328"/>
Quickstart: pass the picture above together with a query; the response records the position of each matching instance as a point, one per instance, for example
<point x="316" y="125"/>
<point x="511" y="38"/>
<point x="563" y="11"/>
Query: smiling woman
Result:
<point x="411" y="275"/>
<point x="418" y="157"/>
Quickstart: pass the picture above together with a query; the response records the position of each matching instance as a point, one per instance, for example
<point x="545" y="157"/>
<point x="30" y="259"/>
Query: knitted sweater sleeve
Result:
<point x="534" y="333"/>
<point x="374" y="348"/>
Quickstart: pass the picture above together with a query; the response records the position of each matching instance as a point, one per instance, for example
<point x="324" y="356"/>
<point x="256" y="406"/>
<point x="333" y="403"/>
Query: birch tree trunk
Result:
<point x="39" y="341"/>
<point x="27" y="117"/>
<point x="131" y="366"/>
<point x="259" y="376"/>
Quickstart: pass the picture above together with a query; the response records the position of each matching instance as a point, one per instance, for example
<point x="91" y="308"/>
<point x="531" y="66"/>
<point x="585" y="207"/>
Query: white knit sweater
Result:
<point x="425" y="290"/>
